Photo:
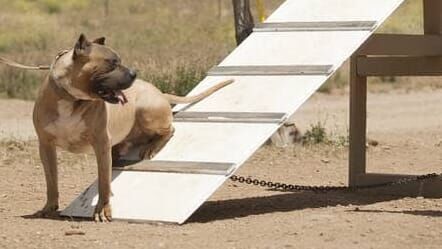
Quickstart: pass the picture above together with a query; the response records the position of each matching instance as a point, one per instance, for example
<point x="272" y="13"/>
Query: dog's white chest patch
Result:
<point x="68" y="128"/>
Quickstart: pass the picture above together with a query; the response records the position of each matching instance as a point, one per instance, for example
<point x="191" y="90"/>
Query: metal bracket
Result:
<point x="271" y="70"/>
<point x="231" y="117"/>
<point x="183" y="167"/>
<point x="315" y="26"/>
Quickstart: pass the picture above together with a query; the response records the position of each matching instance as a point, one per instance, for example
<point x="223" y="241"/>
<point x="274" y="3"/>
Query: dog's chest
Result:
<point x="69" y="128"/>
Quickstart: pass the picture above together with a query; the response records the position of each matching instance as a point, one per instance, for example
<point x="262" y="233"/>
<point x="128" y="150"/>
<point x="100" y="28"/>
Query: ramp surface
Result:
<point x="276" y="69"/>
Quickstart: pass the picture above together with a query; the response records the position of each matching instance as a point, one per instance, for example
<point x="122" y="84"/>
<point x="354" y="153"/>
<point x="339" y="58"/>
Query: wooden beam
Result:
<point x="358" y="122"/>
<point x="378" y="178"/>
<point x="432" y="17"/>
<point x="243" y="20"/>
<point x="315" y="26"/>
<point x="276" y="70"/>
<point x="209" y="168"/>
<point x="398" y="44"/>
<point x="430" y="188"/>
<point x="399" y="66"/>
<point x="231" y="117"/>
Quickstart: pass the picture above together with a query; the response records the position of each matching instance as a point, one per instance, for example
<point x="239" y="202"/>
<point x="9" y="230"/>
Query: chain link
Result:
<point x="324" y="189"/>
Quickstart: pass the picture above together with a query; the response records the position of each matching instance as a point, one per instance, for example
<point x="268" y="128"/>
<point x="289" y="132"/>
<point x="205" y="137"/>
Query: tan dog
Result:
<point x="91" y="102"/>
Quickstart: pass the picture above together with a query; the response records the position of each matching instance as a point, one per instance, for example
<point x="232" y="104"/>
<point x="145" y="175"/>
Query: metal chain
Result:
<point x="324" y="189"/>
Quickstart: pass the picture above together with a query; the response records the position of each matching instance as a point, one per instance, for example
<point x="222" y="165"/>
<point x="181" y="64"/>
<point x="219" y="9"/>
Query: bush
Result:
<point x="51" y="6"/>
<point x="16" y="83"/>
<point x="316" y="135"/>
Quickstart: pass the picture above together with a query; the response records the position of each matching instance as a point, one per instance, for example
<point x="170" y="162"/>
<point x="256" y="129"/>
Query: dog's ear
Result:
<point x="100" y="40"/>
<point x="82" y="46"/>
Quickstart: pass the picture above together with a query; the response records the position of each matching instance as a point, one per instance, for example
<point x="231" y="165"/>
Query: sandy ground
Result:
<point x="406" y="125"/>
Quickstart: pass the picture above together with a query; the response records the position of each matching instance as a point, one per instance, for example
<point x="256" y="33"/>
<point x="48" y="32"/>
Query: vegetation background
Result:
<point x="171" y="43"/>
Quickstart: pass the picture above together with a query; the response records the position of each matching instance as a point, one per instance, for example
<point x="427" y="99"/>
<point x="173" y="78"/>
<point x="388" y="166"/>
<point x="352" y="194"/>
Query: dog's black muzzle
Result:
<point x="110" y="86"/>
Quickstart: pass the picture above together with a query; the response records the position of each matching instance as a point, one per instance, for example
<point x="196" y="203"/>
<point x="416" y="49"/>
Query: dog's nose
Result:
<point x="132" y="74"/>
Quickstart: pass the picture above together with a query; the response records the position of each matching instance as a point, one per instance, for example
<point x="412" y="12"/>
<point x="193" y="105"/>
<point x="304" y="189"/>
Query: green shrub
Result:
<point x="17" y="83"/>
<point x="316" y="134"/>
<point x="51" y="6"/>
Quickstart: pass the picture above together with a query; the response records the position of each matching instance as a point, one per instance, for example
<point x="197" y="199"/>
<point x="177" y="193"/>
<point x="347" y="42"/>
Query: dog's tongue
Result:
<point x="121" y="97"/>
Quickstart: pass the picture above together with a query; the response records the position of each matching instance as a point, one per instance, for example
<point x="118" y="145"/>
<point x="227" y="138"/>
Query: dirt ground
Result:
<point x="406" y="125"/>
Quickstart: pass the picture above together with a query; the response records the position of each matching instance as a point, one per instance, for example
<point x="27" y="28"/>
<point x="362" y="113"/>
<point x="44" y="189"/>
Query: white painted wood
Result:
<point x="296" y="48"/>
<point x="215" y="142"/>
<point x="334" y="10"/>
<point x="166" y="197"/>
<point x="251" y="93"/>
<point x="315" y="26"/>
<point x="277" y="70"/>
<point x="181" y="167"/>
<point x="174" y="197"/>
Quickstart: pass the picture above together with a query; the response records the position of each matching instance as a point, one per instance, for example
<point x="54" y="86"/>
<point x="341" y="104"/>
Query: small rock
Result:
<point x="74" y="232"/>
<point x="75" y="226"/>
<point x="325" y="160"/>
<point x="419" y="198"/>
<point x="372" y="142"/>
<point x="385" y="147"/>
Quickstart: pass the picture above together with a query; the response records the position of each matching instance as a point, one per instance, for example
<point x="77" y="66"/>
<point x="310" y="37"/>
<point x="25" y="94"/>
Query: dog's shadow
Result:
<point x="428" y="213"/>
<point x="54" y="216"/>
<point x="38" y="215"/>
<point x="292" y="201"/>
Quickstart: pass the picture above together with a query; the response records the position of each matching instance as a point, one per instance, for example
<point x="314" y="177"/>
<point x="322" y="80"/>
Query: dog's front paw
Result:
<point x="103" y="213"/>
<point x="49" y="210"/>
<point x="148" y="153"/>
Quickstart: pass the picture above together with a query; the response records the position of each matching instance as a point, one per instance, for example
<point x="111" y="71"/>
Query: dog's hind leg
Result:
<point x="154" y="121"/>
<point x="157" y="142"/>
<point x="48" y="157"/>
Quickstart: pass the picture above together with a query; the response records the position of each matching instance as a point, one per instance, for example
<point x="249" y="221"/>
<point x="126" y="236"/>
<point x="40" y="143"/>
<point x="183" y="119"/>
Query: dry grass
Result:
<point x="407" y="19"/>
<point x="171" y="43"/>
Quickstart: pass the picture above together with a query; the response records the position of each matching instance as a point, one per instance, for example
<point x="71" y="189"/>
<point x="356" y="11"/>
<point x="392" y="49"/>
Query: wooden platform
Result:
<point x="275" y="71"/>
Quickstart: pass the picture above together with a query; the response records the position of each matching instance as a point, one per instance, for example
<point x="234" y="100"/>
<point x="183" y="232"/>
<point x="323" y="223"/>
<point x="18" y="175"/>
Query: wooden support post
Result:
<point x="358" y="122"/>
<point x="243" y="19"/>
<point x="433" y="20"/>
<point x="400" y="55"/>
<point x="432" y="17"/>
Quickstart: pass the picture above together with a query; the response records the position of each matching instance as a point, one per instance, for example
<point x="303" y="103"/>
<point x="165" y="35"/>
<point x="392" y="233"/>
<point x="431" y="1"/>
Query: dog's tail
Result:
<point x="18" y="65"/>
<point x="173" y="99"/>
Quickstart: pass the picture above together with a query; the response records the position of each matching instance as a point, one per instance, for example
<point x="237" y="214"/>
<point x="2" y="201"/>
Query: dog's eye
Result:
<point x="113" y="62"/>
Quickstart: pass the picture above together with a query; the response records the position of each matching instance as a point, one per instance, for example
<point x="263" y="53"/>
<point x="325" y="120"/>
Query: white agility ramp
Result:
<point x="276" y="69"/>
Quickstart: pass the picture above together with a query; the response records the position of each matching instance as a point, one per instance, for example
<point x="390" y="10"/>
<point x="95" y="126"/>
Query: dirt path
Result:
<point x="16" y="119"/>
<point x="407" y="126"/>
